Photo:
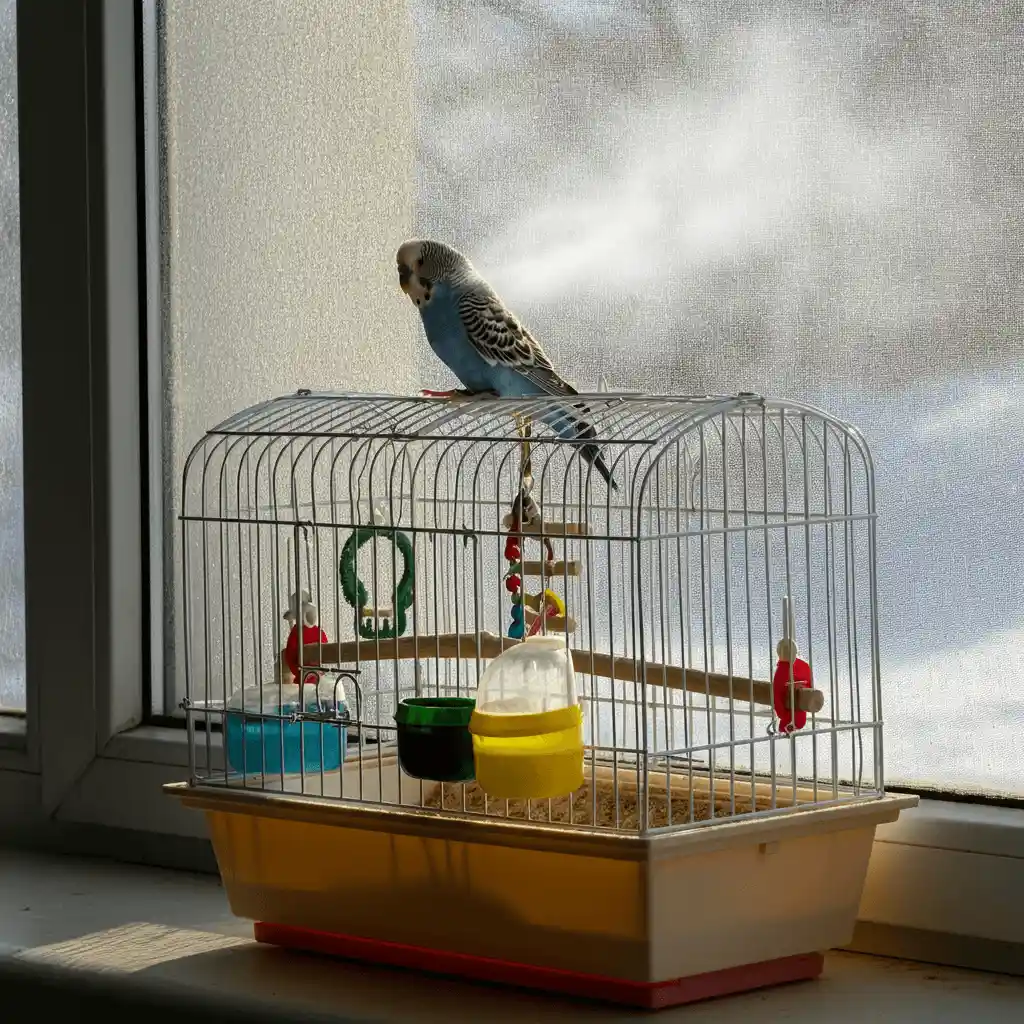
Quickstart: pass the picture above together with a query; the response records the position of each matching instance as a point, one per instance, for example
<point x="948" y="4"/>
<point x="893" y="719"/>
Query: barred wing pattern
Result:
<point x="501" y="340"/>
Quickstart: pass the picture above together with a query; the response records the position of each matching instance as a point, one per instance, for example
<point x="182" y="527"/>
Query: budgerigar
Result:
<point x="481" y="342"/>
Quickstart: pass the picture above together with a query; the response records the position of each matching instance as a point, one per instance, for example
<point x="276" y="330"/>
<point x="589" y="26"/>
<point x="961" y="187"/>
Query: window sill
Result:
<point x="12" y="730"/>
<point x="155" y="744"/>
<point x="14" y="743"/>
<point x="949" y="869"/>
<point x="968" y="828"/>
<point x="166" y="943"/>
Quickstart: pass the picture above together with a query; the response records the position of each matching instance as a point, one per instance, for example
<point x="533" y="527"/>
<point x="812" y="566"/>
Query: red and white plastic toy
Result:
<point x="312" y="635"/>
<point x="791" y="669"/>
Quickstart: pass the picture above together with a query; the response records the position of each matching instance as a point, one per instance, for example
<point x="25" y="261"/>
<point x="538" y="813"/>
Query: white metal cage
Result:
<point x="738" y="522"/>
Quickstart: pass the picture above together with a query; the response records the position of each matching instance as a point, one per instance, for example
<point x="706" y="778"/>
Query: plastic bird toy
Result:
<point x="551" y="605"/>
<point x="301" y="608"/>
<point x="791" y="669"/>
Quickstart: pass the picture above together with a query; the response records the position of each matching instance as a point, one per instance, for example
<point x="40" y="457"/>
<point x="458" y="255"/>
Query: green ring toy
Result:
<point x="356" y="593"/>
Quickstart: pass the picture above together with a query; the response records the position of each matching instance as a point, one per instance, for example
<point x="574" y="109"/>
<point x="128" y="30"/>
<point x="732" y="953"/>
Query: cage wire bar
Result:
<point x="737" y="522"/>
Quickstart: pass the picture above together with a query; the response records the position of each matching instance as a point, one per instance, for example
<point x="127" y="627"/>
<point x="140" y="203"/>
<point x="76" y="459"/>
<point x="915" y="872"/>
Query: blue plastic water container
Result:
<point x="308" y="746"/>
<point x="254" y="744"/>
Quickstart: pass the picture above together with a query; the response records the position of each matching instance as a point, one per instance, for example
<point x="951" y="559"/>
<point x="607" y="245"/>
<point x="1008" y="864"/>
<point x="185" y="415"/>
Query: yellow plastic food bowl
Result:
<point x="531" y="756"/>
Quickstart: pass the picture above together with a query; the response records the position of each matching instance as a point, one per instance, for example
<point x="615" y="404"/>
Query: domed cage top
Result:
<point x="719" y="602"/>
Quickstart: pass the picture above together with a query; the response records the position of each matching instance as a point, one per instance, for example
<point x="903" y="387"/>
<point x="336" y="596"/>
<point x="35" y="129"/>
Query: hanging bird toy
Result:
<point x="393" y="620"/>
<point x="525" y="510"/>
<point x="303" y="613"/>
<point x="791" y="672"/>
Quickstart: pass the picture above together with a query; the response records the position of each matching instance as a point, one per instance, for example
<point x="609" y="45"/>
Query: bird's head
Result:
<point x="422" y="264"/>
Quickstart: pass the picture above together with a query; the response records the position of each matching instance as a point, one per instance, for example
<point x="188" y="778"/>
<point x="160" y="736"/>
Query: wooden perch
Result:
<point x="538" y="526"/>
<point x="715" y="684"/>
<point x="551" y="569"/>
<point x="445" y="645"/>
<point x="377" y="613"/>
<point x="488" y="646"/>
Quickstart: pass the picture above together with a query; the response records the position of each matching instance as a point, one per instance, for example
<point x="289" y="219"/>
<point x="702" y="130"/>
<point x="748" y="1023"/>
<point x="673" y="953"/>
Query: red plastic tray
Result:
<point x="649" y="995"/>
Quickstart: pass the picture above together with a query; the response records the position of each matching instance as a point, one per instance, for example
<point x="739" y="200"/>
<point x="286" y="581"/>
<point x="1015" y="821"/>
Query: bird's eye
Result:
<point x="419" y="264"/>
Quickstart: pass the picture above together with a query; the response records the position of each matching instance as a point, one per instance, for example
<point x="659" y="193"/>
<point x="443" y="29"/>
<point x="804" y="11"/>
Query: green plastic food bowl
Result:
<point x="434" y="742"/>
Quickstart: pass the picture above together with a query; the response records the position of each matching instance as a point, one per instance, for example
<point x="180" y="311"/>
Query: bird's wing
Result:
<point x="502" y="341"/>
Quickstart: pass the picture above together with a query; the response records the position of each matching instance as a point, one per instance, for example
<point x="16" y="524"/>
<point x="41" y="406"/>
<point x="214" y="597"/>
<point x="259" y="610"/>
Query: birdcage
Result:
<point x="450" y="694"/>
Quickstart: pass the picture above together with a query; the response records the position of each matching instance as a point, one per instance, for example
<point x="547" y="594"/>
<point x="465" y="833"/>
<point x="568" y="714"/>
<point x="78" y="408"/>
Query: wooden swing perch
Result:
<point x="488" y="646"/>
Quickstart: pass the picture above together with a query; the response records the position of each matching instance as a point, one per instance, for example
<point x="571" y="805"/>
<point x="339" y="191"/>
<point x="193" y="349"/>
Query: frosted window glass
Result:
<point x="698" y="198"/>
<point x="287" y="187"/>
<point x="12" y="549"/>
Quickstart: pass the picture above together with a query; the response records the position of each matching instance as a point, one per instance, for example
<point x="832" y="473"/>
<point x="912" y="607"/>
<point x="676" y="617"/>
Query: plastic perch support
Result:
<point x="537" y="527"/>
<point x="552" y="569"/>
<point x="536" y="603"/>
<point x="486" y="646"/>
<point x="554" y="623"/>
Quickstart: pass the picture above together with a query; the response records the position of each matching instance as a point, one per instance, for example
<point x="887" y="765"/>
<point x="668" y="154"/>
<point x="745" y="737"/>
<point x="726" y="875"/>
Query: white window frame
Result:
<point x="82" y="772"/>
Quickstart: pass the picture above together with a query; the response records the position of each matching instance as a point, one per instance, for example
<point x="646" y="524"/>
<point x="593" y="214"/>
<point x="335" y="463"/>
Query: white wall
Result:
<point x="289" y="185"/>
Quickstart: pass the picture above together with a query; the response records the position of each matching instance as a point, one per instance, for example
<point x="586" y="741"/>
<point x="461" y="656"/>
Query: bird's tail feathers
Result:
<point x="578" y="427"/>
<point x="593" y="455"/>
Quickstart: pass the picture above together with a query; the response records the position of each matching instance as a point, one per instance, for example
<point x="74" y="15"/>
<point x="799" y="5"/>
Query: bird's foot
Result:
<point x="457" y="393"/>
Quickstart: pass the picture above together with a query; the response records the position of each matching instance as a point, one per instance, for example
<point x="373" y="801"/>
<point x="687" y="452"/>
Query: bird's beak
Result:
<point x="404" y="274"/>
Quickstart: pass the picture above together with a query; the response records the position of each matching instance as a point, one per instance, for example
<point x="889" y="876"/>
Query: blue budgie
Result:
<point x="482" y="343"/>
